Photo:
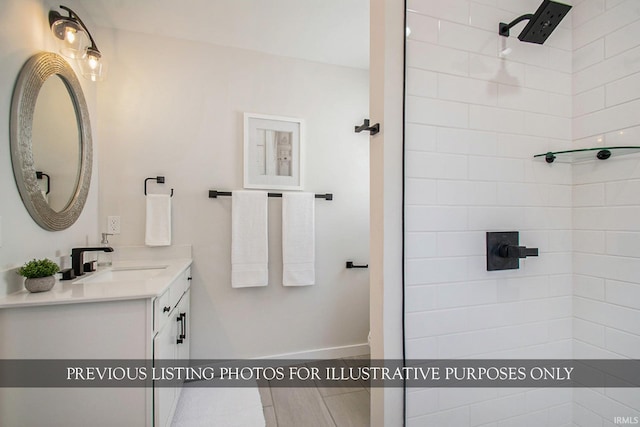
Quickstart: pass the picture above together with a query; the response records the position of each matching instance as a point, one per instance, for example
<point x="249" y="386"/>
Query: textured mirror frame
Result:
<point x="31" y="78"/>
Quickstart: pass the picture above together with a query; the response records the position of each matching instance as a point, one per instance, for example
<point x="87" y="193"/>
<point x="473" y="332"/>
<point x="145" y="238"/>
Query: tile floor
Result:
<point x="345" y="405"/>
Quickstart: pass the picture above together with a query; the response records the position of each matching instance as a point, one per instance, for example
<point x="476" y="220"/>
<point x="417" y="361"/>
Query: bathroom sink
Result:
<point x="124" y="274"/>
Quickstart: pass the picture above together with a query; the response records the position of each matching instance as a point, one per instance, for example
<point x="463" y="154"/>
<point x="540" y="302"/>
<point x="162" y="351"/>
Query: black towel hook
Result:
<point x="365" y="126"/>
<point x="159" y="180"/>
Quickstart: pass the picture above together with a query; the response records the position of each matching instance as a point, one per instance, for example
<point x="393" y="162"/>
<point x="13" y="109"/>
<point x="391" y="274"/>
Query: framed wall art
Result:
<point x="273" y="148"/>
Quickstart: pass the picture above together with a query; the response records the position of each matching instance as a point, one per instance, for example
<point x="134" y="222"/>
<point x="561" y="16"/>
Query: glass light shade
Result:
<point x="73" y="39"/>
<point x="93" y="66"/>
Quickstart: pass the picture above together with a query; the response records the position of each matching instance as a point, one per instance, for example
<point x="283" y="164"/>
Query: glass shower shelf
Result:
<point x="586" y="154"/>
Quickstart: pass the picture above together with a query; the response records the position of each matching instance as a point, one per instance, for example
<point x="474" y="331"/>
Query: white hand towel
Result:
<point x="249" y="245"/>
<point x="158" y="229"/>
<point x="298" y="239"/>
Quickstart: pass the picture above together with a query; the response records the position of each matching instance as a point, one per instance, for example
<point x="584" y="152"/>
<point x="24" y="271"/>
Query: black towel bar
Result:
<point x="214" y="194"/>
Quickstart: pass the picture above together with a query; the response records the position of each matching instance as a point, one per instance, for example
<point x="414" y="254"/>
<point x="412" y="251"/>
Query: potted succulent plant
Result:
<point x="39" y="274"/>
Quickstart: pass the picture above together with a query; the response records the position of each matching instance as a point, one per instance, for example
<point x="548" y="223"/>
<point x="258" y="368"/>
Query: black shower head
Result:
<point x="544" y="21"/>
<point x="541" y="24"/>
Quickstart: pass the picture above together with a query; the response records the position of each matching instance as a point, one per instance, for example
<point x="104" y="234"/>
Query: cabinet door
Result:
<point x="185" y="334"/>
<point x="171" y="346"/>
<point x="164" y="352"/>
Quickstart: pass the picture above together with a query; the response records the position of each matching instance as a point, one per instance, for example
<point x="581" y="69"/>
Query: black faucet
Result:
<point x="76" y="257"/>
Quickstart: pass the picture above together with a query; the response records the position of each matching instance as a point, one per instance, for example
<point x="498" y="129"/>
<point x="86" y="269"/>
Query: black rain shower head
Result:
<point x="541" y="24"/>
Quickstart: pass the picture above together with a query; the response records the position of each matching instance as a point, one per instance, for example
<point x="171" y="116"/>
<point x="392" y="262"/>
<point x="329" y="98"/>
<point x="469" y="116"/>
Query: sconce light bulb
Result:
<point x="93" y="62"/>
<point x="70" y="35"/>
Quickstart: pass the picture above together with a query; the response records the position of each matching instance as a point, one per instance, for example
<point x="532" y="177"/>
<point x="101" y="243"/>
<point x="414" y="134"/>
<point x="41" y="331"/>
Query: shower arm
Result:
<point x="503" y="28"/>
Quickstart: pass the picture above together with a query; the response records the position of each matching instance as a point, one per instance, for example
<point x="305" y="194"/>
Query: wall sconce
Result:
<point x="77" y="43"/>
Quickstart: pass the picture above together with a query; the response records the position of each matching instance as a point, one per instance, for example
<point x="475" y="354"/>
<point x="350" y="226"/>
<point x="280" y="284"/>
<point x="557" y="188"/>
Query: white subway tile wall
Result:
<point x="606" y="236"/>
<point x="474" y="120"/>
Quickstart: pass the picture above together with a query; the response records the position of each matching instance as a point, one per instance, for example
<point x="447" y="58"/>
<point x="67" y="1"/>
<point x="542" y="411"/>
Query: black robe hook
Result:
<point x="365" y="126"/>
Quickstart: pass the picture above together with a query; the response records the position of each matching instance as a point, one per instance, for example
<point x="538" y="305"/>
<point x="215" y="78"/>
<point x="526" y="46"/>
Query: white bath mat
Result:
<point x="219" y="407"/>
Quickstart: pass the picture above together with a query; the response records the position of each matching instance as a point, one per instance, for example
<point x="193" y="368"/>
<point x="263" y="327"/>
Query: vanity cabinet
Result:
<point x="104" y="325"/>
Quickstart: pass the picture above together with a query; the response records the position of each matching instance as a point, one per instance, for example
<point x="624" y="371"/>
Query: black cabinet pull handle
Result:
<point x="166" y="309"/>
<point x="183" y="335"/>
<point x="180" y="338"/>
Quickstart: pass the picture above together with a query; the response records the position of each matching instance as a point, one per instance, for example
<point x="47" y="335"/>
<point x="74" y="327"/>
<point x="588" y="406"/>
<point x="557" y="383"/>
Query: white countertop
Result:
<point x="74" y="291"/>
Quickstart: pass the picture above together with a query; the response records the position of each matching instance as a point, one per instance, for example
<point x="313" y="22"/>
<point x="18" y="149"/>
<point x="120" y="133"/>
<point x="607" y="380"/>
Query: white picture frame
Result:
<point x="273" y="152"/>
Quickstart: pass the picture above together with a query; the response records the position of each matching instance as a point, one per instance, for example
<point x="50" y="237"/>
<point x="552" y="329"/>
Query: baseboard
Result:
<point x="324" y="353"/>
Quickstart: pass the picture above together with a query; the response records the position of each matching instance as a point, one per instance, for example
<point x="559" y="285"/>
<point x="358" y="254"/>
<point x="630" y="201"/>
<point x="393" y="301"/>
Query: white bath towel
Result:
<point x="158" y="229"/>
<point x="249" y="244"/>
<point x="298" y="239"/>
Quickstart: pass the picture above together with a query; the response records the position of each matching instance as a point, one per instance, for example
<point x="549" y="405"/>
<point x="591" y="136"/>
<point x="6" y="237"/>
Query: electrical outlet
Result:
<point x="113" y="224"/>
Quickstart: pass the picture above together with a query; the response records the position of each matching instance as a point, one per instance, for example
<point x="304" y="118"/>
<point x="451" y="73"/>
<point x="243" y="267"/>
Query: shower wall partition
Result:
<point x="474" y="118"/>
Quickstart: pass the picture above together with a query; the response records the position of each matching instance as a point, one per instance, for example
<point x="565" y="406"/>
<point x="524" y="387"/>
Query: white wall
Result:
<point x="473" y="123"/>
<point x="606" y="77"/>
<point x="24" y="27"/>
<point x="174" y="108"/>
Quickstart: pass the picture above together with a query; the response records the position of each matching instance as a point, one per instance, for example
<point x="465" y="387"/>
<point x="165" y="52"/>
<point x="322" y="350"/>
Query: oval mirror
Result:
<point x="51" y="148"/>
